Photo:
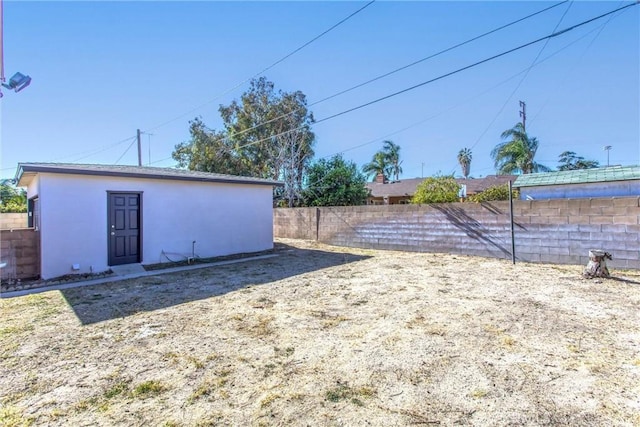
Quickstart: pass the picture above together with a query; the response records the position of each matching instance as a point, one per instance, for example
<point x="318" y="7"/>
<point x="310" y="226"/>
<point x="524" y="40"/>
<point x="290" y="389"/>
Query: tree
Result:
<point x="392" y="154"/>
<point x="386" y="162"/>
<point x="568" y="161"/>
<point x="436" y="189"/>
<point x="209" y="151"/>
<point x="517" y="153"/>
<point x="378" y="165"/>
<point x="464" y="158"/>
<point x="334" y="182"/>
<point x="267" y="134"/>
<point x="12" y="199"/>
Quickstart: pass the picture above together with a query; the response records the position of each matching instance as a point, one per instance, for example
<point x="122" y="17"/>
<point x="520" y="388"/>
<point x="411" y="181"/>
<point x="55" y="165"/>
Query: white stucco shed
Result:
<point x="91" y="217"/>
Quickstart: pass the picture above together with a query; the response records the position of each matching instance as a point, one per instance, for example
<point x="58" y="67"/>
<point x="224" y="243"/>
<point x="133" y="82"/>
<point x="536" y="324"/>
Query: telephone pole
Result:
<point x="139" y="149"/>
<point x="523" y="114"/>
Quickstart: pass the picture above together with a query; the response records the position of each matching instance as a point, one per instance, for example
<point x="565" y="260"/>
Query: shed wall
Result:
<point x="223" y="219"/>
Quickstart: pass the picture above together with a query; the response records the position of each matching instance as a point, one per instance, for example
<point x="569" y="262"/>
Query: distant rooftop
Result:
<point x="407" y="187"/>
<point x="26" y="171"/>
<point x="580" y="176"/>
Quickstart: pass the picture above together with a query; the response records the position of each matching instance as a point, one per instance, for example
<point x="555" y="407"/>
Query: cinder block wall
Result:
<point x="20" y="250"/>
<point x="13" y="220"/>
<point x="552" y="231"/>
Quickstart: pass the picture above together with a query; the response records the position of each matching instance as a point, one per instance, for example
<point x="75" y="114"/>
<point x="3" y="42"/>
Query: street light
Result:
<point x="607" y="148"/>
<point x="18" y="82"/>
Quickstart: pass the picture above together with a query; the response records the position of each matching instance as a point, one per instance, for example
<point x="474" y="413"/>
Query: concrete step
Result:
<point x="125" y="269"/>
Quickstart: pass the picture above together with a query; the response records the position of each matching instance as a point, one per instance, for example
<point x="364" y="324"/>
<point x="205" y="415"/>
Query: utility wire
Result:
<point x="475" y="64"/>
<point x="575" y="64"/>
<point x="99" y="150"/>
<point x="94" y="151"/>
<point x="515" y="89"/>
<point x="554" y="34"/>
<point x="317" y="184"/>
<point x="125" y="152"/>
<point x="399" y="69"/>
<point x="265" y="69"/>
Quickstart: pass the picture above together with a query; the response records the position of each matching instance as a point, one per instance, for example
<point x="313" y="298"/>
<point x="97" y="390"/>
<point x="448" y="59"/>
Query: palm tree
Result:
<point x="392" y="154"/>
<point x="516" y="154"/>
<point x="464" y="158"/>
<point x="378" y="165"/>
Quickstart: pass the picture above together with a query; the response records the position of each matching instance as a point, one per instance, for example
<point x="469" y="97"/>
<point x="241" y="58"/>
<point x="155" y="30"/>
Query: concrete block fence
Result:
<point x="13" y="220"/>
<point x="549" y="231"/>
<point x="20" y="251"/>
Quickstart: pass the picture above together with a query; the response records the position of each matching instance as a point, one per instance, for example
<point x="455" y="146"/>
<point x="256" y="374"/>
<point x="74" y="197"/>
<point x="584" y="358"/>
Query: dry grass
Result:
<point x="329" y="336"/>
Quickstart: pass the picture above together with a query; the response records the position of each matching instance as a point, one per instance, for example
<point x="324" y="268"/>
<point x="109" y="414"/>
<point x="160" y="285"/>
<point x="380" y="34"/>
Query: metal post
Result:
<point x="513" y="237"/>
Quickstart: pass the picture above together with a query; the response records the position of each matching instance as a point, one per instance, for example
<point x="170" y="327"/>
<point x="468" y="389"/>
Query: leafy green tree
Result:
<point x="12" y="199"/>
<point x="392" y="155"/>
<point x="334" y="182"/>
<point x="209" y="151"/>
<point x="378" y="165"/>
<point x="266" y="134"/>
<point x="436" y="189"/>
<point x="516" y="154"/>
<point x="568" y="161"/>
<point x="464" y="158"/>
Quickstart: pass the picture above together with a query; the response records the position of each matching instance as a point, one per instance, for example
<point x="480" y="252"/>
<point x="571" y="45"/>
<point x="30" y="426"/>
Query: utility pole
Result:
<point x="607" y="148"/>
<point x="139" y="149"/>
<point x="523" y="114"/>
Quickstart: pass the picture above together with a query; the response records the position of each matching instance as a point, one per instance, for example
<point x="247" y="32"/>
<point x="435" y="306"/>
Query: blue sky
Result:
<point x="103" y="69"/>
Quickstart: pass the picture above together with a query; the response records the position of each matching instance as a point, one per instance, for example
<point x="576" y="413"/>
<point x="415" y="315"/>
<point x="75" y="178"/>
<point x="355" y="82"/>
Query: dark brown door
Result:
<point x="124" y="228"/>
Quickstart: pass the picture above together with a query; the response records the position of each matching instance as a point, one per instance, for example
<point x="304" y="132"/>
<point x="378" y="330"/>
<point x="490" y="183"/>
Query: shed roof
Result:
<point x="26" y="172"/>
<point x="580" y="176"/>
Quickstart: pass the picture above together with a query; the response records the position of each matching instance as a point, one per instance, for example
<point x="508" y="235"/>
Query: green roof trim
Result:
<point x="581" y="176"/>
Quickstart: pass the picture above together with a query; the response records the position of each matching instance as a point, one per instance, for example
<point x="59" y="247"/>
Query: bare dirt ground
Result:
<point x="329" y="336"/>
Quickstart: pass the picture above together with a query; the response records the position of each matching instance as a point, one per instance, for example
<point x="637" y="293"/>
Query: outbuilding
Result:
<point x="92" y="217"/>
<point x="612" y="181"/>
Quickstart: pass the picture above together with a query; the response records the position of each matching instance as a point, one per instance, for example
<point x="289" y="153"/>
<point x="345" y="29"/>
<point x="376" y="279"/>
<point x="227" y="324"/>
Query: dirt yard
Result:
<point x="329" y="336"/>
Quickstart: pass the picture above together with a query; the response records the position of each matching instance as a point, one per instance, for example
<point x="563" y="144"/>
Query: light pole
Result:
<point x="607" y="148"/>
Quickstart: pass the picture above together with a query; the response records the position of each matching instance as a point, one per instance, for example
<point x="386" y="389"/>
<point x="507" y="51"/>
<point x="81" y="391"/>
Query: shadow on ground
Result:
<point x="97" y="303"/>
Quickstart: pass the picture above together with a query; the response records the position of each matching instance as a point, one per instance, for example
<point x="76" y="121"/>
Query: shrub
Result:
<point x="497" y="192"/>
<point x="437" y="189"/>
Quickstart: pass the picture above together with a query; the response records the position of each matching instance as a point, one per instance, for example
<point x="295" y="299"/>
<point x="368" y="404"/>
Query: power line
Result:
<point x="475" y="64"/>
<point x="439" y="53"/>
<point x="135" y="139"/>
<point x="401" y="68"/>
<point x="513" y="92"/>
<point x="265" y="69"/>
<point x="554" y="34"/>
<point x="575" y="64"/>
<point x="94" y="151"/>
<point x="316" y="185"/>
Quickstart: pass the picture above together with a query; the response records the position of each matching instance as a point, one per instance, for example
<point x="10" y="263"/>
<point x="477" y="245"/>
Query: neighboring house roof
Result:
<point x="26" y="172"/>
<point x="580" y="176"/>
<point x="407" y="187"/>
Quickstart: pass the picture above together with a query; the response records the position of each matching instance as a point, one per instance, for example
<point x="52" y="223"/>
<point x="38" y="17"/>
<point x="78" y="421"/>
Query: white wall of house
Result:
<point x="222" y="218"/>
